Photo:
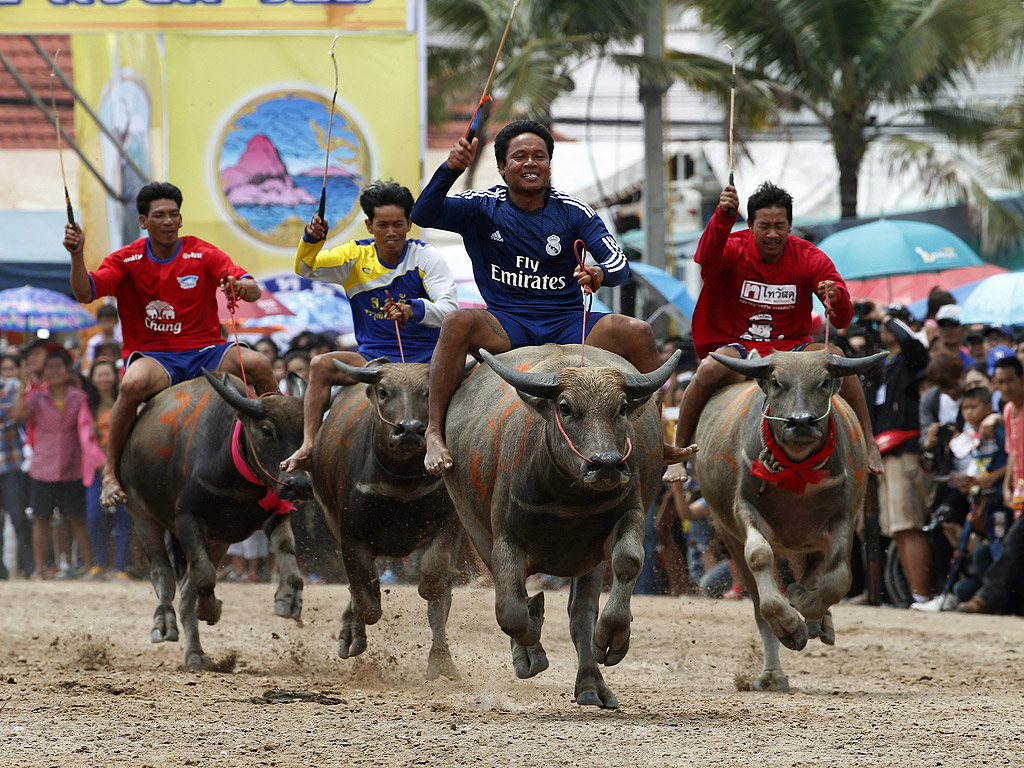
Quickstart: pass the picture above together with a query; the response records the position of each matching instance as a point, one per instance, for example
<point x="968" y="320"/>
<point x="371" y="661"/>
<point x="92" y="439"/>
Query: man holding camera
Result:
<point x="903" y="489"/>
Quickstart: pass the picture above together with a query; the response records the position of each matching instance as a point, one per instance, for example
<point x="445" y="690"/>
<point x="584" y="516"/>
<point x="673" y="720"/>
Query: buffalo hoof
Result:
<point x="349" y="646"/>
<point x="528" y="660"/>
<point x="288" y="603"/>
<point x="165" y="628"/>
<point x="197" y="662"/>
<point x="601" y="696"/>
<point x="772" y="680"/>
<point x="786" y="623"/>
<point x="822" y="628"/>
<point x="611" y="640"/>
<point x="440" y="664"/>
<point x="208" y="609"/>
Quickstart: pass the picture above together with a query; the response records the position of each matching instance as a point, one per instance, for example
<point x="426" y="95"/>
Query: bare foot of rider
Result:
<point x="301" y="459"/>
<point x="437" y="459"/>
<point x="111" y="493"/>
<point x="676" y="458"/>
<point x="875" y="466"/>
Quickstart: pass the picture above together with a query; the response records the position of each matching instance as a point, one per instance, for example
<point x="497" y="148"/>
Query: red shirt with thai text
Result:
<point x="760" y="305"/>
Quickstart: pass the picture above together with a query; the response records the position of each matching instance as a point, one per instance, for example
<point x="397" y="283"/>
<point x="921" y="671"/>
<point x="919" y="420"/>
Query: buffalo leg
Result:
<point x="195" y="658"/>
<point x="759" y="560"/>
<point x="772" y="677"/>
<point x="191" y="532"/>
<point x="611" y="636"/>
<point x="514" y="615"/>
<point x="437" y="571"/>
<point x="584" y="595"/>
<point x="824" y="583"/>
<point x="288" y="597"/>
<point x="364" y="604"/>
<point x="161" y="573"/>
<point x="530" y="660"/>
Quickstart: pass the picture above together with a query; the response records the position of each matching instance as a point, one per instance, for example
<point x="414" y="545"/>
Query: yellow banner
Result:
<point x="249" y="118"/>
<point x="122" y="78"/>
<point x="42" y="16"/>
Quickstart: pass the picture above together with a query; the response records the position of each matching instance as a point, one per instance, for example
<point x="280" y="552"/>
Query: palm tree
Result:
<point x="849" y="62"/>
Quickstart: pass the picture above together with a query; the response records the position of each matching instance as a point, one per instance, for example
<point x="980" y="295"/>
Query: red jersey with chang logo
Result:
<point x="166" y="306"/>
<point x="759" y="305"/>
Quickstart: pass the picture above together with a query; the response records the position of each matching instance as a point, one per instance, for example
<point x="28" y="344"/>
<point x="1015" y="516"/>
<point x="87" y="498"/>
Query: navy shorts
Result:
<point x="563" y="328"/>
<point x="745" y="353"/>
<point x="182" y="366"/>
<point x="67" y="496"/>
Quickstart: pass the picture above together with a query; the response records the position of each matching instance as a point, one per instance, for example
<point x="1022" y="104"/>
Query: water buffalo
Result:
<point x="195" y="465"/>
<point x="378" y="500"/>
<point x="784" y="473"/>
<point x="554" y="468"/>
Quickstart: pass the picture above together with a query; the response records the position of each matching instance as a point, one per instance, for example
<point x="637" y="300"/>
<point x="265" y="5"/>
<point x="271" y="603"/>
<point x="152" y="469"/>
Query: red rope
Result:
<point x="829" y="314"/>
<point x="232" y="303"/>
<point x="558" y="421"/>
<point x="579" y="249"/>
<point x="398" y="333"/>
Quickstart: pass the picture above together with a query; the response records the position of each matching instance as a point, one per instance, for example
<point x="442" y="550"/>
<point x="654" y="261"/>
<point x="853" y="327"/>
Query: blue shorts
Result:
<point x="745" y="353"/>
<point x="182" y="366"/>
<point x="563" y="328"/>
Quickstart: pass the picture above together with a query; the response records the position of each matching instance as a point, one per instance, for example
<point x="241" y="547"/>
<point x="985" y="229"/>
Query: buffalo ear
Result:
<point x="536" y="404"/>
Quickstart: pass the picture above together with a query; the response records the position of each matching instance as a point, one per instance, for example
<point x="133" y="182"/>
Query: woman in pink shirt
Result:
<point x="56" y="470"/>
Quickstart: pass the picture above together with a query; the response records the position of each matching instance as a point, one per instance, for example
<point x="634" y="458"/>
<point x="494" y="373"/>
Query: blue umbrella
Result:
<point x="671" y="289"/>
<point x="312" y="310"/>
<point x="896" y="247"/>
<point x="998" y="300"/>
<point x="35" y="309"/>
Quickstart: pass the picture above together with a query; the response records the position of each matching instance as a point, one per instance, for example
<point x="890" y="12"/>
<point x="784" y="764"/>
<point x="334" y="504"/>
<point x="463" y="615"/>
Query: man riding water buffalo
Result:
<point x="388" y="279"/>
<point x="521" y="240"/>
<point x="165" y="287"/>
<point x="757" y="292"/>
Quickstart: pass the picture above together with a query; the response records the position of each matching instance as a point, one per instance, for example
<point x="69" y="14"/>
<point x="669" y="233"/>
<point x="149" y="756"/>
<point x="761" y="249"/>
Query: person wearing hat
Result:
<point x="999" y="336"/>
<point x="951" y="334"/>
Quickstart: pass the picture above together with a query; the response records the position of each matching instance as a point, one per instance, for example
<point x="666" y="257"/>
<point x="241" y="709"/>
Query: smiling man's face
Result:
<point x="527" y="166"/>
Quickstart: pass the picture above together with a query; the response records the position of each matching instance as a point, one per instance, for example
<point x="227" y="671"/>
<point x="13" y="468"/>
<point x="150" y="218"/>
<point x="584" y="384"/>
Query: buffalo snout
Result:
<point x="409" y="431"/>
<point x="806" y="426"/>
<point x="606" y="470"/>
<point x="298" y="487"/>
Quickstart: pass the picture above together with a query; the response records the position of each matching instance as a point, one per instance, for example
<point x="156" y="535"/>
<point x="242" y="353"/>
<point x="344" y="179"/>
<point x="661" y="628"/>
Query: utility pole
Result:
<point x="652" y="98"/>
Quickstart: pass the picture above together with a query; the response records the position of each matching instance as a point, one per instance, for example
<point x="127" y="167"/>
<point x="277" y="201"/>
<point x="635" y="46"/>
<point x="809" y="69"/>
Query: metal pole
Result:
<point x="89" y="110"/>
<point x="651" y="97"/>
<point x="42" y="108"/>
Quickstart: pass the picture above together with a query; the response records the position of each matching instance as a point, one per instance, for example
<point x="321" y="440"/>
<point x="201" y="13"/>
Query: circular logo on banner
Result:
<point x="270" y="165"/>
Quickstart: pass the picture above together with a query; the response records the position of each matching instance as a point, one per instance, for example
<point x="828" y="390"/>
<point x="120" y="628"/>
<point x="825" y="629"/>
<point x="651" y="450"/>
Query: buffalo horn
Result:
<point x="840" y="367"/>
<point x="640" y="385"/>
<point x="244" y="405"/>
<point x="536" y="384"/>
<point x="754" y="367"/>
<point x="366" y="374"/>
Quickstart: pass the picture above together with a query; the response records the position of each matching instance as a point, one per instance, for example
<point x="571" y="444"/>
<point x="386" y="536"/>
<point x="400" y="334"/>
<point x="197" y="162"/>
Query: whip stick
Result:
<point x="330" y="126"/>
<point x="486" y="96"/>
<point x="60" y="146"/>
<point x="732" y="111"/>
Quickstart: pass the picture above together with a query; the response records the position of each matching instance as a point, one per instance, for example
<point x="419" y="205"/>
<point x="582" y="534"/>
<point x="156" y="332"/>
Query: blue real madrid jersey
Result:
<point x="523" y="261"/>
<point x="421" y="279"/>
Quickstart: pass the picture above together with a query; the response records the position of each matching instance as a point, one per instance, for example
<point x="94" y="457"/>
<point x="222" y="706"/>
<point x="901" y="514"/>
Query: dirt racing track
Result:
<point x="81" y="685"/>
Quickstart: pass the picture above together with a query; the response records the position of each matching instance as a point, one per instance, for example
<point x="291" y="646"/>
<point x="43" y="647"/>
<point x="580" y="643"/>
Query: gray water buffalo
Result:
<point x="783" y="467"/>
<point x="377" y="499"/>
<point x="554" y="468"/>
<point x="195" y="465"/>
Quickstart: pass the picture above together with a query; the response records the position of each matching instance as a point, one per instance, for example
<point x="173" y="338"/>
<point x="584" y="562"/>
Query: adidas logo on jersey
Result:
<point x="496" y="237"/>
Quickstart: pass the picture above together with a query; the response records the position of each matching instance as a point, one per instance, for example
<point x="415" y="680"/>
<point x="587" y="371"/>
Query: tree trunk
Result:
<point x="850" y="146"/>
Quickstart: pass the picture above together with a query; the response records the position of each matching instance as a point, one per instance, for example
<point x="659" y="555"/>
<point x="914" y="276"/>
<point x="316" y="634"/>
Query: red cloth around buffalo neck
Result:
<point x="795" y="476"/>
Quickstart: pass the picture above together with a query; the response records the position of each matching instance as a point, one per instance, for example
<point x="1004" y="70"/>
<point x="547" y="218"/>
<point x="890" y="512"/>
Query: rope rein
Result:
<point x="558" y="421"/>
<point x="579" y="249"/>
<point x="398" y="333"/>
<point x="829" y="314"/>
<point x="250" y="453"/>
<point x="232" y="304"/>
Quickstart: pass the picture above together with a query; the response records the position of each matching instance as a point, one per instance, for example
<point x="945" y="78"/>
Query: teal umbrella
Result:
<point x="891" y="247"/>
<point x="997" y="300"/>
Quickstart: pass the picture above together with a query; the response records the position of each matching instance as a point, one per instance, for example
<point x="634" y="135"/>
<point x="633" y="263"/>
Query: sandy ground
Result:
<point x="81" y="685"/>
